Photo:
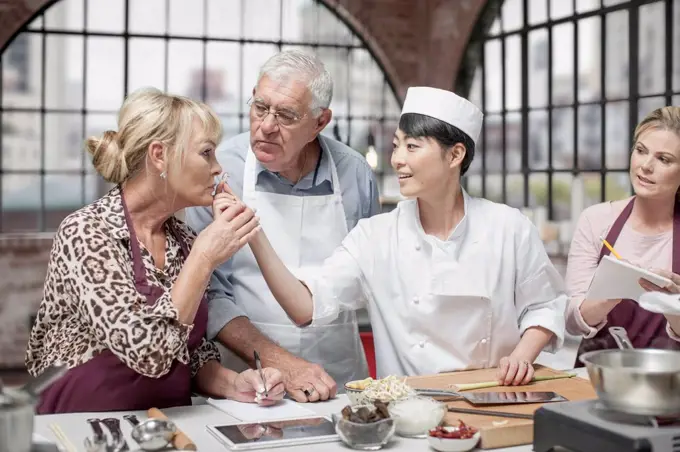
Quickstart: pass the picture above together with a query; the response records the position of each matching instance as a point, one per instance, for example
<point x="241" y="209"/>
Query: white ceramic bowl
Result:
<point x="453" y="444"/>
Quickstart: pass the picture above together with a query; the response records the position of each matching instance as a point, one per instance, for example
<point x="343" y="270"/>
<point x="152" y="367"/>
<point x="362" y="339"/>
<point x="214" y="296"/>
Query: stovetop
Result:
<point x="587" y="426"/>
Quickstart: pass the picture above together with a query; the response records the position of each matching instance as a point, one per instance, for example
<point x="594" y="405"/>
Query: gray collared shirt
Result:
<point x="359" y="198"/>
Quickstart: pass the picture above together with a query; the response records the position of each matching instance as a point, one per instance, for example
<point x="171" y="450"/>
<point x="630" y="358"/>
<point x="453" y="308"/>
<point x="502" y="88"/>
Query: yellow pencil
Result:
<point x="606" y="243"/>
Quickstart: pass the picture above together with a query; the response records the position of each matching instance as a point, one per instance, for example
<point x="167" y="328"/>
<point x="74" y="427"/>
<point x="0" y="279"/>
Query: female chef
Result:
<point x="451" y="281"/>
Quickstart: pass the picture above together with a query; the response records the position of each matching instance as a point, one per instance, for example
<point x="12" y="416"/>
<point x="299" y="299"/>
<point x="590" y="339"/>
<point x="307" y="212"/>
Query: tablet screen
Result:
<point x="259" y="432"/>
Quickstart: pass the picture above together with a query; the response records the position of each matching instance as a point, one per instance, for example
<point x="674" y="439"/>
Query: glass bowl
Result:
<point x="372" y="436"/>
<point x="415" y="416"/>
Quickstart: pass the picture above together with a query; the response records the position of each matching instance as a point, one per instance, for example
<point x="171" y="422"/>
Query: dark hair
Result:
<point x="421" y="126"/>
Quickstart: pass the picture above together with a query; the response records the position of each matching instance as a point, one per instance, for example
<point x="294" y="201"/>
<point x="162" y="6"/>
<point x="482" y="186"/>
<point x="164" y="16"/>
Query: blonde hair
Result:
<point x="149" y="115"/>
<point x="664" y="118"/>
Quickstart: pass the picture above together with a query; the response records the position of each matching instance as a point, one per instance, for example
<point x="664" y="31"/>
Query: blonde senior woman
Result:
<point x="124" y="298"/>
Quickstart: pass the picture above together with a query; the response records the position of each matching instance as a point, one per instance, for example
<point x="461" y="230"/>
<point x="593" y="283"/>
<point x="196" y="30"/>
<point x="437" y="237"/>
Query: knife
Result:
<point x="258" y="364"/>
<point x="491" y="413"/>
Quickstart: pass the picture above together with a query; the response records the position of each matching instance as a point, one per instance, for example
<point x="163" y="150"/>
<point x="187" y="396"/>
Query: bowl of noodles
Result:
<point x="368" y="391"/>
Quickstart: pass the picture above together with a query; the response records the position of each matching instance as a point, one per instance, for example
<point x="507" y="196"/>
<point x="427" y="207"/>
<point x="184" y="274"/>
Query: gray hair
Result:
<point x="297" y="65"/>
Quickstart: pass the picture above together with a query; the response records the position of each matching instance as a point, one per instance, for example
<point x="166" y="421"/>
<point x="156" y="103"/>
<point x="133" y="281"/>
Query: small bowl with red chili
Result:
<point x="460" y="438"/>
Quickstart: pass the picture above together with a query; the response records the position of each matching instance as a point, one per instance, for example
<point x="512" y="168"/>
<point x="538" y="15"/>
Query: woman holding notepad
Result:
<point x="644" y="230"/>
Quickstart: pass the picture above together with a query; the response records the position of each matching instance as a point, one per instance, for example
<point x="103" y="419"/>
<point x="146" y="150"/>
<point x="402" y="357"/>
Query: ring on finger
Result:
<point x="308" y="392"/>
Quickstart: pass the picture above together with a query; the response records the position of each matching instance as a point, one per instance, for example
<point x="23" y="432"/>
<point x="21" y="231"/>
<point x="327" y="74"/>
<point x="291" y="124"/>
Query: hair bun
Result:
<point x="107" y="157"/>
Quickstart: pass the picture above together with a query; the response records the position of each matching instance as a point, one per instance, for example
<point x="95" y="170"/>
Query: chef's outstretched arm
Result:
<point x="293" y="296"/>
<point x="317" y="295"/>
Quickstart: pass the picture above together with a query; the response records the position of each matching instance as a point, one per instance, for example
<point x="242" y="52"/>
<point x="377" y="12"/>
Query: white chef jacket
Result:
<point x="443" y="305"/>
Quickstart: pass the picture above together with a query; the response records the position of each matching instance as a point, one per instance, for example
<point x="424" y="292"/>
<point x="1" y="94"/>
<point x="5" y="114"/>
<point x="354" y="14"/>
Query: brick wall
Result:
<point x="23" y="263"/>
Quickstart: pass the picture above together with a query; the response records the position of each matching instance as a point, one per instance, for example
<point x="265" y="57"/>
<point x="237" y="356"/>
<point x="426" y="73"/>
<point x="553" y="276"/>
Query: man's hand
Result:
<point x="307" y="382"/>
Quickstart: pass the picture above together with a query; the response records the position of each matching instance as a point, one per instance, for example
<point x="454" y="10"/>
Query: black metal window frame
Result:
<point x="633" y="96"/>
<point x="388" y="88"/>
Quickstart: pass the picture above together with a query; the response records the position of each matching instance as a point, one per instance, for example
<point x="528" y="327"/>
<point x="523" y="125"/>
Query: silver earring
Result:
<point x="163" y="175"/>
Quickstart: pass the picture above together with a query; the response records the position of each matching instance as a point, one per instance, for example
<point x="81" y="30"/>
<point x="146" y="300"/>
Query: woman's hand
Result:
<point x="673" y="287"/>
<point x="233" y="226"/>
<point x="248" y="387"/>
<point x="224" y="197"/>
<point x="513" y="371"/>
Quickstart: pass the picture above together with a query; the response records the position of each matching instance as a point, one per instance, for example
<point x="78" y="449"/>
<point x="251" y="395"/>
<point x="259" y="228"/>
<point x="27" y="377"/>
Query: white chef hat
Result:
<point x="445" y="106"/>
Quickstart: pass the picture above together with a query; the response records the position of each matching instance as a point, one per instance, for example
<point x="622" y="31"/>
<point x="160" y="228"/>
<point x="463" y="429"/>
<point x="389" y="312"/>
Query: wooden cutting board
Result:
<point x="497" y="431"/>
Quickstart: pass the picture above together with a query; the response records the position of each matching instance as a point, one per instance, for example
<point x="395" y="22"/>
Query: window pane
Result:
<point x="358" y="135"/>
<point x="589" y="137"/>
<point x="587" y="5"/>
<point x="21" y="141"/>
<point x="560" y="8"/>
<point x="613" y="2"/>
<point x="141" y="10"/>
<point x="513" y="142"/>
<point x="257" y="25"/>
<point x="617" y="186"/>
<point x="495" y="28"/>
<point x="474" y="185"/>
<point x="65" y="15"/>
<point x="561" y="195"/>
<point x="492" y="143"/>
<point x="294" y="11"/>
<point x="20" y="202"/>
<point x="676" y="100"/>
<point x="63" y="192"/>
<point x="330" y="30"/>
<point x="648" y="105"/>
<point x="617" y="66"/>
<point x="513" y="73"/>
<point x="21" y="72"/>
<point x="538" y="190"/>
<point x="589" y="59"/>
<point x="538" y="11"/>
<point x="618" y="135"/>
<point x="492" y="73"/>
<point x="512" y="13"/>
<point x="186" y="18"/>
<point x="538" y="68"/>
<point x="592" y="184"/>
<point x="64" y="147"/>
<point x="652" y="56"/>
<point x="563" y="64"/>
<point x="538" y="139"/>
<point x="222" y="67"/>
<point x="254" y="56"/>
<point x="37" y="23"/>
<point x="494" y="187"/>
<point x="224" y="18"/>
<point x="563" y="138"/>
<point x="146" y="63"/>
<point x="185" y="60"/>
<point x="105" y="69"/>
<point x="514" y="184"/>
<point x="365" y="83"/>
<point x="336" y="63"/>
<point x="64" y="66"/>
<point x="106" y="15"/>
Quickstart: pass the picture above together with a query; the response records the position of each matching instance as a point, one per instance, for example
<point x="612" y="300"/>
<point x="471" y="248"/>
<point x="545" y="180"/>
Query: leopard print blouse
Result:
<point x="90" y="303"/>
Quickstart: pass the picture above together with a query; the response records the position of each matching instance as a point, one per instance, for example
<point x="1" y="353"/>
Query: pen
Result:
<point x="606" y="243"/>
<point x="258" y="364"/>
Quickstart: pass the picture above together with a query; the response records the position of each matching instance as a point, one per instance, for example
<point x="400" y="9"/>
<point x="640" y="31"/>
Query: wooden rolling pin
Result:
<point x="180" y="441"/>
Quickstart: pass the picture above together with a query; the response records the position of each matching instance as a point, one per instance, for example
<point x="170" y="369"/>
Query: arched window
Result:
<point x="65" y="75"/>
<point x="562" y="84"/>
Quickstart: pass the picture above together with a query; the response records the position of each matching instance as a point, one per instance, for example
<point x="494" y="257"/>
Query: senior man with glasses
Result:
<point x="309" y="191"/>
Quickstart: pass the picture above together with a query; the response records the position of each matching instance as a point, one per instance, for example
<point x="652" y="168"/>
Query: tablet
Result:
<point x="279" y="433"/>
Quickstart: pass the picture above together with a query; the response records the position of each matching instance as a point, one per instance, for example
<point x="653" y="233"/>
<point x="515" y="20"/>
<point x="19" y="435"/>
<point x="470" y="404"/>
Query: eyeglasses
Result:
<point x="285" y="118"/>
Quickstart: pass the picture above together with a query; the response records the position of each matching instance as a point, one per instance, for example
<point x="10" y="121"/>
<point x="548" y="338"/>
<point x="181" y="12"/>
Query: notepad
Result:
<point x="661" y="303"/>
<point x="252" y="412"/>
<point x="615" y="279"/>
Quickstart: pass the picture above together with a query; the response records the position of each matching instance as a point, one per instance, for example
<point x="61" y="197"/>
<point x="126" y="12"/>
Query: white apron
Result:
<point x="304" y="231"/>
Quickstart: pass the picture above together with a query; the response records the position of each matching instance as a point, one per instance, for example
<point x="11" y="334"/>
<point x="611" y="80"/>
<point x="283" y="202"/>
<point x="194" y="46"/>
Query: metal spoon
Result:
<point x="152" y="434"/>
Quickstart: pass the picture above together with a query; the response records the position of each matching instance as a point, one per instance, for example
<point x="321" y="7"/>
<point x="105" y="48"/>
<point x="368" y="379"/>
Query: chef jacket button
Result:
<point x="484" y="341"/>
<point x="417" y="246"/>
<point x="416" y="300"/>
<point x="422" y="344"/>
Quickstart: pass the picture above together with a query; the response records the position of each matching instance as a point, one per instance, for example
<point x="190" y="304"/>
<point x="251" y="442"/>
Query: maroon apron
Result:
<point x="105" y="383"/>
<point x="646" y="329"/>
